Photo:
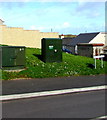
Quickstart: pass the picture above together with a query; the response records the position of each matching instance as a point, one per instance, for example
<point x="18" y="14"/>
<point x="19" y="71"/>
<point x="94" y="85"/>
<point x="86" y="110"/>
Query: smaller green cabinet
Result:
<point x="52" y="49"/>
<point x="0" y="57"/>
<point x="13" y="56"/>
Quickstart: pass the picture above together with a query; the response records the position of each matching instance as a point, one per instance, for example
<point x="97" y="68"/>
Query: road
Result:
<point x="49" y="84"/>
<point x="78" y="105"/>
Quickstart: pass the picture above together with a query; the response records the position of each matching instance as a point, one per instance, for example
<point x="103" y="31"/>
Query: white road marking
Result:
<point x="48" y="93"/>
<point x="100" y="118"/>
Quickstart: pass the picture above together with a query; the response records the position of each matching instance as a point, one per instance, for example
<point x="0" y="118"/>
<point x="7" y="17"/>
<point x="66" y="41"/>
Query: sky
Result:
<point x="67" y="17"/>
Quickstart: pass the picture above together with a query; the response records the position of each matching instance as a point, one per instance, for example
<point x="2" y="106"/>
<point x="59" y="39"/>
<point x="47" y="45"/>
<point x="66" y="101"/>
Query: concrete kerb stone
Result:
<point x="50" y="93"/>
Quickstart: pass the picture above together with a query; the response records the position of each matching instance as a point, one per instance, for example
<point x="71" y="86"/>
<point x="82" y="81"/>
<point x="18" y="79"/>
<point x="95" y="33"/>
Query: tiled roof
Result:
<point x="83" y="38"/>
<point x="66" y="41"/>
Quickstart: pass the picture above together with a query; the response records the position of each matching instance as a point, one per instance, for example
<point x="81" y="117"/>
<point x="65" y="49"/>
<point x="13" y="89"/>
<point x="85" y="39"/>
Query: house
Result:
<point x="67" y="36"/>
<point x="96" y="39"/>
<point x="66" y="44"/>
<point x="66" y="40"/>
<point x="90" y="50"/>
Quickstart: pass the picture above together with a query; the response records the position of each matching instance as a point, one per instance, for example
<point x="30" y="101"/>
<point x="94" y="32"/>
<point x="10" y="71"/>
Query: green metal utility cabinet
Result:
<point x="13" y="56"/>
<point x="0" y="57"/>
<point x="52" y="50"/>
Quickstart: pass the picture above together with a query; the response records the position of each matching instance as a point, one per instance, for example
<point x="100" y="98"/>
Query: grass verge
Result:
<point x="71" y="65"/>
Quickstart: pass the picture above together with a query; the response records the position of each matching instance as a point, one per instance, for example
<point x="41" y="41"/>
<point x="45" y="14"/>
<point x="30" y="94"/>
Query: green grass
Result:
<point x="72" y="65"/>
<point x="3" y="45"/>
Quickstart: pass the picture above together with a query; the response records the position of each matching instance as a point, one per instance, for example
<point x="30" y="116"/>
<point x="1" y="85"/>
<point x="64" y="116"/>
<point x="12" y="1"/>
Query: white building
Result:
<point x="89" y="38"/>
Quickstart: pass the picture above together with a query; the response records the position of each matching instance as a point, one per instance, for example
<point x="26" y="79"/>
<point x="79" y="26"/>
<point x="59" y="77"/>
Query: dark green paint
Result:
<point x="52" y="49"/>
<point x="13" y="56"/>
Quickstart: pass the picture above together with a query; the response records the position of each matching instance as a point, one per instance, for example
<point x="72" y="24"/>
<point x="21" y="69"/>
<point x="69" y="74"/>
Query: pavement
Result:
<point x="37" y="86"/>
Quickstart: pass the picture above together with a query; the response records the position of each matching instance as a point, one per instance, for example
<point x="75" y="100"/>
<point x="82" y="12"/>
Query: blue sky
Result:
<point x="63" y="17"/>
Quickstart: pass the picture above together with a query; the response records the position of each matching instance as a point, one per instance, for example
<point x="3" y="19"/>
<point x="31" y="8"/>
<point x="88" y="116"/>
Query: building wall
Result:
<point x="89" y="51"/>
<point x="100" y="38"/>
<point x="20" y="37"/>
<point x="70" y="48"/>
<point x="85" y="50"/>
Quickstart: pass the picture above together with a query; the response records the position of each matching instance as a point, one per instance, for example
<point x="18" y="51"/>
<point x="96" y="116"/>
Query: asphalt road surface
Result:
<point x="79" y="105"/>
<point x="48" y="84"/>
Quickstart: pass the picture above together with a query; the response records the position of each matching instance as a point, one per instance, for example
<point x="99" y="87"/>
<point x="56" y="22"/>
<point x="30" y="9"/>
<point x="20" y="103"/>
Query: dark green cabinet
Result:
<point x="0" y="57"/>
<point x="13" y="56"/>
<point x="52" y="50"/>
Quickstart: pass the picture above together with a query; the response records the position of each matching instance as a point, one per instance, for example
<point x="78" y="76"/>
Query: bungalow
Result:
<point x="66" y="44"/>
<point x="96" y="39"/>
<point x="90" y="50"/>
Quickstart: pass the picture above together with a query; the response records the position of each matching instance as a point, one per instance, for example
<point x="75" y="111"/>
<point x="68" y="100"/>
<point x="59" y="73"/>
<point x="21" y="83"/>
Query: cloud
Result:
<point x="88" y="5"/>
<point x="90" y="9"/>
<point x="41" y="28"/>
<point x="58" y="16"/>
<point x="66" y="25"/>
<point x="57" y="27"/>
<point x="33" y="27"/>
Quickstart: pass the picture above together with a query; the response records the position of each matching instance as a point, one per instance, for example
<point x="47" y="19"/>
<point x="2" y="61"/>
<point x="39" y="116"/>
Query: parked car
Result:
<point x="66" y="50"/>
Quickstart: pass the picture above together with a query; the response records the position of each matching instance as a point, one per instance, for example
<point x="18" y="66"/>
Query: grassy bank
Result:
<point x="71" y="65"/>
